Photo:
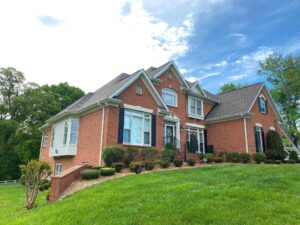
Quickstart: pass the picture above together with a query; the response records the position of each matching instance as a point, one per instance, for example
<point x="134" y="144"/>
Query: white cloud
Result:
<point x="238" y="77"/>
<point x="220" y="64"/>
<point x="207" y="75"/>
<point x="89" y="42"/>
<point x="241" y="38"/>
<point x="192" y="79"/>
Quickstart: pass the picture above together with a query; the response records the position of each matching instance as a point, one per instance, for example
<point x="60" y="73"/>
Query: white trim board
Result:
<point x="138" y="108"/>
<point x="195" y="125"/>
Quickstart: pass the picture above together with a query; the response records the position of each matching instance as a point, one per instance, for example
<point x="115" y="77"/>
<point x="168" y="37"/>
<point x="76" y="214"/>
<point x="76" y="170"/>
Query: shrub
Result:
<point x="245" y="157"/>
<point x="269" y="161"/>
<point x="277" y="161"/>
<point x="169" y="146"/>
<point x="130" y="154"/>
<point x="209" y="157"/>
<point x="168" y="154"/>
<point x="118" y="166"/>
<point x="222" y="155"/>
<point x="22" y="179"/>
<point x="89" y="174"/>
<point x="191" y="162"/>
<point x="107" y="171"/>
<point x="218" y="160"/>
<point x="149" y="154"/>
<point x="259" y="157"/>
<point x="178" y="162"/>
<point x="136" y="167"/>
<point x="113" y="154"/>
<point x="164" y="163"/>
<point x="275" y="149"/>
<point x="44" y="185"/>
<point x="233" y="157"/>
<point x="97" y="167"/>
<point x="292" y="161"/>
<point x="149" y="165"/>
<point x="294" y="156"/>
<point x="210" y="149"/>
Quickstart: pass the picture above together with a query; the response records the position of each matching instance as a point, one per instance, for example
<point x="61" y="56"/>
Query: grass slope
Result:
<point x="220" y="194"/>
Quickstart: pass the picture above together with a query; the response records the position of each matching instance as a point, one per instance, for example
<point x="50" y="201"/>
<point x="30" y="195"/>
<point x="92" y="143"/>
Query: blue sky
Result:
<point x="87" y="43"/>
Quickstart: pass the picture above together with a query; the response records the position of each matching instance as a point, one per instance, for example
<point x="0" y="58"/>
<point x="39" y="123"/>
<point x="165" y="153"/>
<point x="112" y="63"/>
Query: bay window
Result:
<point x="74" y="132"/>
<point x="195" y="107"/>
<point x="137" y="128"/>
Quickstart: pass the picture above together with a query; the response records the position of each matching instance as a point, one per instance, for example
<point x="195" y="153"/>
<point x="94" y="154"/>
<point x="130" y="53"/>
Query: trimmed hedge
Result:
<point x="191" y="162"/>
<point x="168" y="154"/>
<point x="269" y="161"/>
<point x="277" y="161"/>
<point x="107" y="171"/>
<point x="294" y="156"/>
<point x="149" y="165"/>
<point x="259" y="157"/>
<point x="118" y="166"/>
<point x="245" y="157"/>
<point x="89" y="174"/>
<point x="233" y="157"/>
<point x="113" y="154"/>
<point x="135" y="166"/>
<point x="164" y="164"/>
<point x="169" y="146"/>
<point x="208" y="156"/>
<point x="178" y="162"/>
<point x="218" y="160"/>
<point x="97" y="167"/>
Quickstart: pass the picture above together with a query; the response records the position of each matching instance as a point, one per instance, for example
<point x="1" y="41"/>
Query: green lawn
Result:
<point x="220" y="194"/>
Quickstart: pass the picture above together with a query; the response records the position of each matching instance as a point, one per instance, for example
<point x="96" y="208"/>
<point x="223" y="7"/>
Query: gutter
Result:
<point x="229" y="117"/>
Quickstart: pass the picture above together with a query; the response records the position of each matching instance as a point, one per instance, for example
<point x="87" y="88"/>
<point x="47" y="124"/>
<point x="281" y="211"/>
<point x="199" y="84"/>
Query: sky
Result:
<point x="87" y="43"/>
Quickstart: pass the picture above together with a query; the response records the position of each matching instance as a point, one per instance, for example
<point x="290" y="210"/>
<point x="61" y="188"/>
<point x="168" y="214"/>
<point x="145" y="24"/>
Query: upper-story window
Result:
<point x="262" y="104"/>
<point x="195" y="107"/>
<point x="45" y="140"/>
<point x="66" y="128"/>
<point x="74" y="132"/>
<point x="169" y="96"/>
<point x="138" y="90"/>
<point x="137" y="128"/>
<point x="53" y="136"/>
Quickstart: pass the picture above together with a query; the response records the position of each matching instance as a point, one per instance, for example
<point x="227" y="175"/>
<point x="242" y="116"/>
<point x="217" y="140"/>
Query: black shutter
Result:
<point x="121" y="126"/>
<point x="258" y="100"/>
<point x="266" y="103"/>
<point x="263" y="139"/>
<point x="153" y="130"/>
<point x="256" y="139"/>
<point x="205" y="139"/>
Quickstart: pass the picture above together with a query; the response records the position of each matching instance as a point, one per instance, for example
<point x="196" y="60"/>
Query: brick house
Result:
<point x="152" y="107"/>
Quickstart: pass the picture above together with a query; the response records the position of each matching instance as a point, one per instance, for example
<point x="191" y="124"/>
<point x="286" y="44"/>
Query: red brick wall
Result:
<point x="227" y="136"/>
<point x="266" y="120"/>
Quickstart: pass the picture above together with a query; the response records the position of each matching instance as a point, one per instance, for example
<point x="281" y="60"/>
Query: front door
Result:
<point x="170" y="134"/>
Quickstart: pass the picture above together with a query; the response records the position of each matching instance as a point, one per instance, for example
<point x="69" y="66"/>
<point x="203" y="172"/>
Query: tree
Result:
<point x="64" y="94"/>
<point x="230" y="87"/>
<point x="283" y="72"/>
<point x="33" y="173"/>
<point x="275" y="149"/>
<point x="11" y="85"/>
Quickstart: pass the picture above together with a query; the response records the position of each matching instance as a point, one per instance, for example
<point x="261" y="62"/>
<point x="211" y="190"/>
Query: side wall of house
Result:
<point x="88" y="146"/>
<point x="228" y="136"/>
<point x="266" y="120"/>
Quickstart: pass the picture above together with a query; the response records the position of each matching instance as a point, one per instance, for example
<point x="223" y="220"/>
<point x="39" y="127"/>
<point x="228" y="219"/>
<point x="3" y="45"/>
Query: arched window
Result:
<point x="169" y="96"/>
<point x="262" y="104"/>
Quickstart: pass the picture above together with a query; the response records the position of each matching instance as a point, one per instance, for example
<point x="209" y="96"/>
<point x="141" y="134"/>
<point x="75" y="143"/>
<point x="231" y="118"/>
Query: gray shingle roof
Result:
<point x="235" y="102"/>
<point x="152" y="71"/>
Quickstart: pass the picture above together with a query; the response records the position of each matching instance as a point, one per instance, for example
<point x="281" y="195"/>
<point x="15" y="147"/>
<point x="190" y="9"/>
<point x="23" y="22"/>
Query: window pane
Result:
<point x="170" y="97"/>
<point x="146" y="138"/>
<point x="126" y="136"/>
<point x="199" y="108"/>
<point x="127" y="120"/>
<point x="65" y="133"/>
<point x="136" y="130"/>
<point x="74" y="132"/>
<point x="147" y="125"/>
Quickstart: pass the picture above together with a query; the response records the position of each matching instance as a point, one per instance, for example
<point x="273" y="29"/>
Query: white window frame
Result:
<point x="262" y="97"/>
<point x="259" y="130"/>
<point x="70" y="129"/>
<point x="169" y="91"/>
<point x="195" y="115"/>
<point x="58" y="171"/>
<point x="139" y="90"/>
<point x="66" y="133"/>
<point x="143" y="131"/>
<point x="199" y="131"/>
<point x="45" y="139"/>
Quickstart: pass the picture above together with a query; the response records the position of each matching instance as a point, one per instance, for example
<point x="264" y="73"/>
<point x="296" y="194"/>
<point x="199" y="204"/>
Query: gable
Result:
<point x="198" y="90"/>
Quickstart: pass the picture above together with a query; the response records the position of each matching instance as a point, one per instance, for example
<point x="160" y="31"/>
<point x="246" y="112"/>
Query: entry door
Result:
<point x="170" y="134"/>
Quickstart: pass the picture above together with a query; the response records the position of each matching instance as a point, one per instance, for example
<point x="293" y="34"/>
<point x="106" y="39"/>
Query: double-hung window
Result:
<point x="52" y="137"/>
<point x="137" y="128"/>
<point x="66" y="128"/>
<point x="262" y="104"/>
<point x="58" y="168"/>
<point x="195" y="107"/>
<point x="170" y="97"/>
<point x="74" y="132"/>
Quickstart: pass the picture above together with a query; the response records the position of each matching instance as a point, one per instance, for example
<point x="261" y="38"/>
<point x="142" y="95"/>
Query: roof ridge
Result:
<point x="241" y="88"/>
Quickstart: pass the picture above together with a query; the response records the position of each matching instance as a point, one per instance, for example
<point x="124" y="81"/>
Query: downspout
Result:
<point x="102" y="134"/>
<point x="246" y="135"/>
